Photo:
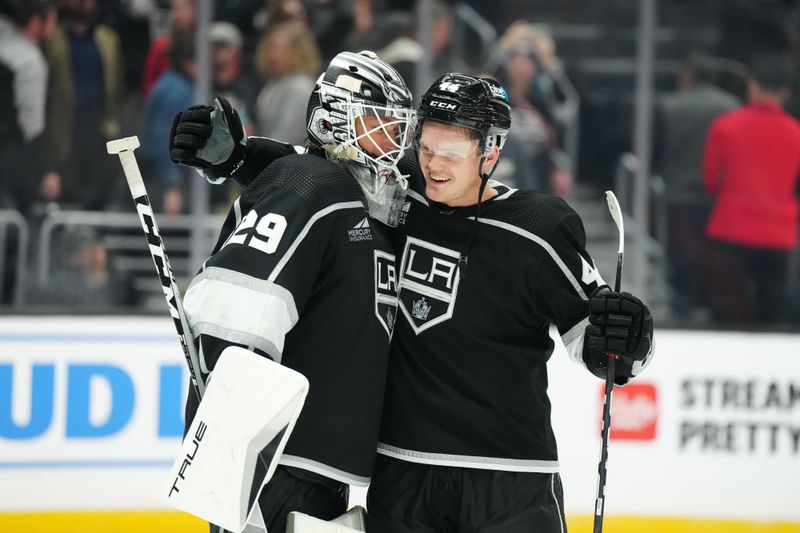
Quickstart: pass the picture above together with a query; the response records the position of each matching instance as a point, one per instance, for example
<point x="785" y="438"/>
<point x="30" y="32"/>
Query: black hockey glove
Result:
<point x="620" y="324"/>
<point x="211" y="138"/>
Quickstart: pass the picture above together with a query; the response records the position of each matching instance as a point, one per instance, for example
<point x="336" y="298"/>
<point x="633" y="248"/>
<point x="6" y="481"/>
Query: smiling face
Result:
<point x="450" y="157"/>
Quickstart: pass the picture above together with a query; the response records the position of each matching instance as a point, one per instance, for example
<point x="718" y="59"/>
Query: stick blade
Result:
<point x="126" y="144"/>
<point x="616" y="214"/>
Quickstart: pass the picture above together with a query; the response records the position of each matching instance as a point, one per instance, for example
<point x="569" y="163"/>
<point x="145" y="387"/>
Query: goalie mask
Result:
<point x="360" y="113"/>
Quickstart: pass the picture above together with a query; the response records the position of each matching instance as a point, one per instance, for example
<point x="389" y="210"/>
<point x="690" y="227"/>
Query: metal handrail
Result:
<point x="625" y="170"/>
<point x="108" y="220"/>
<point x="11" y="217"/>
<point x="487" y="34"/>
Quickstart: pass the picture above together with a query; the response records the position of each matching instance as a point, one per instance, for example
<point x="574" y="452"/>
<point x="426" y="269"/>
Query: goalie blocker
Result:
<point x="236" y="438"/>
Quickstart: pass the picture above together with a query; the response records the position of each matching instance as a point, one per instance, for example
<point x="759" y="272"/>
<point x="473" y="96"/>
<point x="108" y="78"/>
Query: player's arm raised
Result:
<point x="212" y="140"/>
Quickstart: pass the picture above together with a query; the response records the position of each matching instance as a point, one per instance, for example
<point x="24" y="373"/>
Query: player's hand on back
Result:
<point x="209" y="137"/>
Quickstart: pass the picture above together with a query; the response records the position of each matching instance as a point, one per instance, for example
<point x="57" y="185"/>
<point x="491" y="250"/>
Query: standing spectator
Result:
<point x="683" y="119"/>
<point x="24" y="26"/>
<point x="173" y="92"/>
<point x="182" y="22"/>
<point x="288" y="55"/>
<point x="535" y="158"/>
<point x="23" y="90"/>
<point x="84" y="103"/>
<point x="226" y="70"/>
<point x="396" y="38"/>
<point x="751" y="166"/>
<point x="230" y="82"/>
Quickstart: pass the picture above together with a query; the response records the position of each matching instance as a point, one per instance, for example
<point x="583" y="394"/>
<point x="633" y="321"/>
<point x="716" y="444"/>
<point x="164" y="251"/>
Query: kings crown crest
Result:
<point x="420" y="309"/>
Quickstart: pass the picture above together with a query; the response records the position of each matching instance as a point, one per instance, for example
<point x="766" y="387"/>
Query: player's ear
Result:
<point x="491" y="160"/>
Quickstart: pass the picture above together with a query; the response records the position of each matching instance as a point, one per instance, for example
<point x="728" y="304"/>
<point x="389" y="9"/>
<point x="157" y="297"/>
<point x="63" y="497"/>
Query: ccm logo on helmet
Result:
<point x="442" y="105"/>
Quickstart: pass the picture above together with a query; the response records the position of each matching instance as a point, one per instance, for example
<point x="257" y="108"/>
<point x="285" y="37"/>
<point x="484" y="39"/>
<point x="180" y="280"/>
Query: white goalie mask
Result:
<point x="360" y="113"/>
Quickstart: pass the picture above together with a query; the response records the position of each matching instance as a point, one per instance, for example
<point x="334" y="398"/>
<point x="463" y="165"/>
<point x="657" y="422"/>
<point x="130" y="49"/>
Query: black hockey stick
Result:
<point x="124" y="149"/>
<point x="599" y="505"/>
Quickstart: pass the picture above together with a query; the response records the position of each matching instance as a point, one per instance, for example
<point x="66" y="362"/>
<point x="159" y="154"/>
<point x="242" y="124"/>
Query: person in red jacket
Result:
<point x="182" y="19"/>
<point x="751" y="166"/>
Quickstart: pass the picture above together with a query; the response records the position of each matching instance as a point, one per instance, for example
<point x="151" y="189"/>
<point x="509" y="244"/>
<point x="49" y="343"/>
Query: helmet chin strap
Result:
<point x="464" y="257"/>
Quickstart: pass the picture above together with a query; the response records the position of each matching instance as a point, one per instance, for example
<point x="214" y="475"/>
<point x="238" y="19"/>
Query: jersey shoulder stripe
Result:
<point x="544" y="244"/>
<point x="306" y="229"/>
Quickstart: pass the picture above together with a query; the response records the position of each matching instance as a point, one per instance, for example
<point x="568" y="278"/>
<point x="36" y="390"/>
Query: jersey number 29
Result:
<point x="271" y="227"/>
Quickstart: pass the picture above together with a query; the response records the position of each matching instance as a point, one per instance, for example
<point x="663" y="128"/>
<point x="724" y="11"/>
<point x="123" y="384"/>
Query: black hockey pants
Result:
<point x="407" y="497"/>
<point x="293" y="489"/>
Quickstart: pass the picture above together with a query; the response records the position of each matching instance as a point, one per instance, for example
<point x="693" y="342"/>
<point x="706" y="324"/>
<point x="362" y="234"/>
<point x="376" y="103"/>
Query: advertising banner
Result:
<point x="91" y="412"/>
<point x="710" y="429"/>
<point x="91" y="415"/>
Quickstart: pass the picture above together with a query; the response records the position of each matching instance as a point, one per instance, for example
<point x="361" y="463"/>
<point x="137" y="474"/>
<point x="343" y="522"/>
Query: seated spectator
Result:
<point x="85" y="279"/>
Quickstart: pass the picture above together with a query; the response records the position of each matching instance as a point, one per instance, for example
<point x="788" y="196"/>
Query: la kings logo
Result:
<point x="360" y="231"/>
<point x="385" y="290"/>
<point x="429" y="281"/>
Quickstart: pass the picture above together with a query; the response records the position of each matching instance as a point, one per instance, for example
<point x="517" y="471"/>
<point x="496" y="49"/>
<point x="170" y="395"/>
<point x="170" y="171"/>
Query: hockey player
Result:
<point x="466" y="442"/>
<point x="303" y="275"/>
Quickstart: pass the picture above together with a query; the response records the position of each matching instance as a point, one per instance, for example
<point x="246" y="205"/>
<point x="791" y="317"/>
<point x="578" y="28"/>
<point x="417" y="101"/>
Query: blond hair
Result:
<point x="304" y="55"/>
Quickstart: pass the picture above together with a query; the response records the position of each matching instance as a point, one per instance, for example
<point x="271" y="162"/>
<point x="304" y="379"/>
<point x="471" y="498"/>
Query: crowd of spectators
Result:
<point x="67" y="85"/>
<point x="732" y="173"/>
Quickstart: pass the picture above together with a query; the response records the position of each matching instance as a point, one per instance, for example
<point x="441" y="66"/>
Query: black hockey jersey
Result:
<point x="467" y="381"/>
<point x="302" y="274"/>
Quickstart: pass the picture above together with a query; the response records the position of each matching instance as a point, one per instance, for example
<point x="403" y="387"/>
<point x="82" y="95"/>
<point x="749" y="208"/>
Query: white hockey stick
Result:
<point x="124" y="149"/>
<point x="599" y="505"/>
<point x="246" y="432"/>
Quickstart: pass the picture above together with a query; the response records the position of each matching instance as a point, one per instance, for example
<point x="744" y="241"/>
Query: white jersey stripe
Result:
<point x="544" y="244"/>
<point x="302" y="235"/>
<point x="297" y="148"/>
<point x="213" y="307"/>
<point x="416" y="196"/>
<point x="322" y="469"/>
<point x="469" y="461"/>
<point x="555" y="500"/>
<point x="573" y="341"/>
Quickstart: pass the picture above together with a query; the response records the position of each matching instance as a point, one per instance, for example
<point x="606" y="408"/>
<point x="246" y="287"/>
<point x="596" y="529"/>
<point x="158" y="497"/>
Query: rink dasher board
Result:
<point x="707" y="431"/>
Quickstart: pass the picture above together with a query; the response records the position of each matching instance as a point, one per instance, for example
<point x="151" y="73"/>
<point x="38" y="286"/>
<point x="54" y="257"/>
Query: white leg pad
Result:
<point x="236" y="438"/>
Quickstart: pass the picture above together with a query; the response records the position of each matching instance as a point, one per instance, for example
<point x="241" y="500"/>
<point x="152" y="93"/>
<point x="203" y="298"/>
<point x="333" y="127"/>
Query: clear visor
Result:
<point x="450" y="150"/>
<point x="382" y="133"/>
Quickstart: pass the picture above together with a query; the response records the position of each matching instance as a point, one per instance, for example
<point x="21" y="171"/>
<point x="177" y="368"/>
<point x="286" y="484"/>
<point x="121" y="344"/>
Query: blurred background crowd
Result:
<point x="719" y="235"/>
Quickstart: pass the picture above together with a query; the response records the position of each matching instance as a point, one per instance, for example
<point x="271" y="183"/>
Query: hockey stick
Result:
<point x="599" y="506"/>
<point x="124" y="149"/>
<point x="244" y="444"/>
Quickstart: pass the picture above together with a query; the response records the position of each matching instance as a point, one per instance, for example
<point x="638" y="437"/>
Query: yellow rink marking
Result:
<point x="102" y="522"/>
<point x="175" y="522"/>
<point x="641" y="524"/>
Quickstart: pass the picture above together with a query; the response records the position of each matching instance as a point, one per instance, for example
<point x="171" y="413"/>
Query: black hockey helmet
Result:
<point x="480" y="104"/>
